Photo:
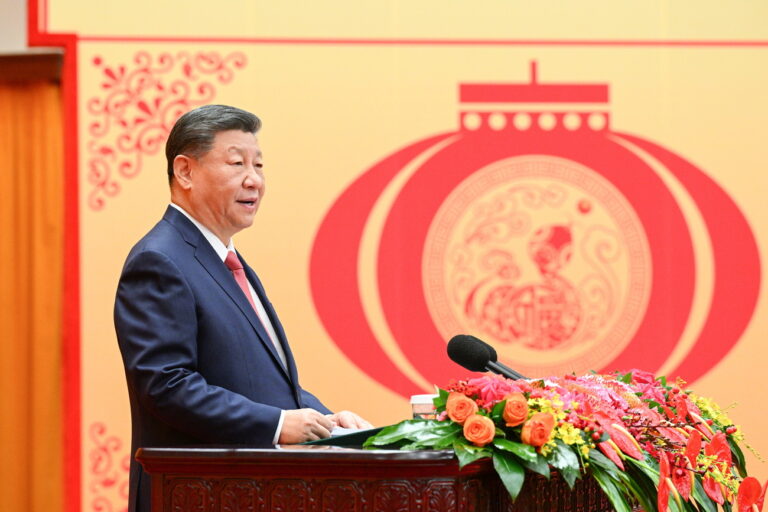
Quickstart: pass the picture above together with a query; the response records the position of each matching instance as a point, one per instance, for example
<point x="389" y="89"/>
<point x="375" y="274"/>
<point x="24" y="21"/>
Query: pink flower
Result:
<point x="652" y="391"/>
<point x="493" y="388"/>
<point x="642" y="377"/>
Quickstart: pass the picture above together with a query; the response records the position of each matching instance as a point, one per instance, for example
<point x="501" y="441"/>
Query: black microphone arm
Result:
<point x="504" y="370"/>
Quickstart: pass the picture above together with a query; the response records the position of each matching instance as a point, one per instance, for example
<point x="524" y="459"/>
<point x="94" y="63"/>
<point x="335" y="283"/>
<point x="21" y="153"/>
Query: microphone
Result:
<point x="478" y="356"/>
<point x="506" y="370"/>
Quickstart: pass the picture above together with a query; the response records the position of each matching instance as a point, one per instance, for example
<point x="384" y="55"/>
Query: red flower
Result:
<point x="515" y="410"/>
<point x="460" y="407"/>
<point x="479" y="430"/>
<point x="537" y="430"/>
<point x="713" y="490"/>
<point x="682" y="478"/>
<point x="701" y="425"/>
<point x="619" y="435"/>
<point x="492" y="388"/>
<point x="693" y="447"/>
<point x="612" y="453"/>
<point x="642" y="377"/>
<point x="664" y="485"/>
<point x="718" y="446"/>
<point x="681" y="405"/>
<point x="750" y="495"/>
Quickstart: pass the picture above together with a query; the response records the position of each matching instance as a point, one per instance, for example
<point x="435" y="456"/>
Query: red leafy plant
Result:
<point x="644" y="440"/>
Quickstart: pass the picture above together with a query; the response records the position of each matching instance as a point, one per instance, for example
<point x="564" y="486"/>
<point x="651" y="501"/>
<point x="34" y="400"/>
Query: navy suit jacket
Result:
<point x="200" y="367"/>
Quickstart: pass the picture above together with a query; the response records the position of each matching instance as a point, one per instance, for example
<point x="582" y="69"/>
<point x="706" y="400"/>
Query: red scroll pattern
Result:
<point x="108" y="470"/>
<point x="139" y="106"/>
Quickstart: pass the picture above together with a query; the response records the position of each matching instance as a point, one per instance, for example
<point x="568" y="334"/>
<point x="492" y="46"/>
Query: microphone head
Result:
<point x="491" y="351"/>
<point x="469" y="352"/>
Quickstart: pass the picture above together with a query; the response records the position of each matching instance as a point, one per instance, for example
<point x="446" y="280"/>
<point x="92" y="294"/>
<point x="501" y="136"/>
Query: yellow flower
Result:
<point x="569" y="434"/>
<point x="710" y="409"/>
<point x="553" y="406"/>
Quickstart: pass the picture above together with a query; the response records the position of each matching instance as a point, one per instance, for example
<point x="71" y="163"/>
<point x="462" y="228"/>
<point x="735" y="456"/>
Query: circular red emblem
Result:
<point x="543" y="258"/>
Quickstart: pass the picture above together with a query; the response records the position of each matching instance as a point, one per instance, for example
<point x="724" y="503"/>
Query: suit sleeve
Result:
<point x="156" y="323"/>
<point x="311" y="401"/>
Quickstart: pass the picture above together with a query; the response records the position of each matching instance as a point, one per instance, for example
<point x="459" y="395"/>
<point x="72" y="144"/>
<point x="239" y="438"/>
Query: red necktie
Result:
<point x="236" y="267"/>
<point x="233" y="264"/>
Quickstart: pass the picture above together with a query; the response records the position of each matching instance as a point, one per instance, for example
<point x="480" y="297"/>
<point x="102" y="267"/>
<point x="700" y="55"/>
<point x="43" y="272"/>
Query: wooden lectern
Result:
<point x="333" y="479"/>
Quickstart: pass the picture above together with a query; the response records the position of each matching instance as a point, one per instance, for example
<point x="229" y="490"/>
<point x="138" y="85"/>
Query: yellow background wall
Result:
<point x="336" y="94"/>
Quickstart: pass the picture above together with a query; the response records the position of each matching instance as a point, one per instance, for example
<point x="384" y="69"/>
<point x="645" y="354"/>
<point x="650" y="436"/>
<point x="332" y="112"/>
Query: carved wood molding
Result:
<point x="348" y="481"/>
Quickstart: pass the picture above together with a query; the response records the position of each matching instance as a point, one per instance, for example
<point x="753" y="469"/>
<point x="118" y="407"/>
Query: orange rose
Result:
<point x="460" y="407"/>
<point x="538" y="429"/>
<point x="479" y="430"/>
<point x="515" y="410"/>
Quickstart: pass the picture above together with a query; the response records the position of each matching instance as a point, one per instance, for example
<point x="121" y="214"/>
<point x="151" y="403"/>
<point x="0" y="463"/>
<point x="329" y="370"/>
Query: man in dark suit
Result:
<point x="205" y="355"/>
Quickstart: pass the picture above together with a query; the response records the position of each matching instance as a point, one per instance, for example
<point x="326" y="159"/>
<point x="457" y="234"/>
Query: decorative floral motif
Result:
<point x="241" y="496"/>
<point x="341" y="497"/>
<point x="440" y="497"/>
<point x="191" y="495"/>
<point x="139" y="106"/>
<point x="394" y="497"/>
<point x="108" y="477"/>
<point x="289" y="496"/>
<point x="643" y="440"/>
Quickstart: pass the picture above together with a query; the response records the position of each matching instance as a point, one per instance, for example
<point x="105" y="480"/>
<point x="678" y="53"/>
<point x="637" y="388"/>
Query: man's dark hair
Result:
<point x="193" y="133"/>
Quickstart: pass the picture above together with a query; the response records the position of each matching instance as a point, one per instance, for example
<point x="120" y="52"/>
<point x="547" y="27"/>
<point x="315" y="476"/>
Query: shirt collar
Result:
<point x="216" y="243"/>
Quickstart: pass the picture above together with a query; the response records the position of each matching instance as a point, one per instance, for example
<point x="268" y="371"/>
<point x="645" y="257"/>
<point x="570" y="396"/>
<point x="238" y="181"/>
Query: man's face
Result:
<point x="226" y="184"/>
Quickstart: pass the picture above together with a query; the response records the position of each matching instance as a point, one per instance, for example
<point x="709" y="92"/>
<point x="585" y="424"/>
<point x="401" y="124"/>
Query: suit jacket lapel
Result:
<point x="210" y="261"/>
<point x="282" y="339"/>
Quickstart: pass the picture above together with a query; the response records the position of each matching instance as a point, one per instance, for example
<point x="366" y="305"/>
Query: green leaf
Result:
<point x="673" y="506"/>
<point x="563" y="457"/>
<point x="404" y="430"/>
<point x="498" y="411"/>
<point x="641" y="480"/>
<point x="611" y="489"/>
<point x="738" y="457"/>
<point x="540" y="466"/>
<point x="626" y="378"/>
<point x="445" y="440"/>
<point x="701" y="498"/>
<point x="649" y="467"/>
<point x="510" y="471"/>
<point x="467" y="453"/>
<point x="523" y="451"/>
<point x="689" y="506"/>
<point x="606" y="464"/>
<point x="440" y="399"/>
<point x="438" y="433"/>
<point x="641" y="485"/>
<point x="570" y="475"/>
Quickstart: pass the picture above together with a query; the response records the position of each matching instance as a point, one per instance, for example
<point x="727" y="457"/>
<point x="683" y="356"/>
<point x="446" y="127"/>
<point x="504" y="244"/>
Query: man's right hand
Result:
<point x="302" y="425"/>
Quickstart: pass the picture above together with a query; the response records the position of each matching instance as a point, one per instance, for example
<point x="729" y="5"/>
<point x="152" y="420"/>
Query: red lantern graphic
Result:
<point x="537" y="228"/>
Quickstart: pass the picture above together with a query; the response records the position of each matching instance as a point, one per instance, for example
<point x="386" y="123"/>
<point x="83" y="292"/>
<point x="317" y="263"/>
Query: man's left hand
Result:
<point x="348" y="419"/>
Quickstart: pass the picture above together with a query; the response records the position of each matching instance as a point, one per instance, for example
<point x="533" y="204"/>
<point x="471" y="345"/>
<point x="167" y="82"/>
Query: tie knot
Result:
<point x="233" y="262"/>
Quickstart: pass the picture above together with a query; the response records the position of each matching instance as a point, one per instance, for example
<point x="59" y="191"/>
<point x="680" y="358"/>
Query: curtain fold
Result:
<point x="31" y="261"/>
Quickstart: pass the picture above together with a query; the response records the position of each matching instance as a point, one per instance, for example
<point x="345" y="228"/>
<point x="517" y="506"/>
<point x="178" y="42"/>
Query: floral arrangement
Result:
<point x="645" y="441"/>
